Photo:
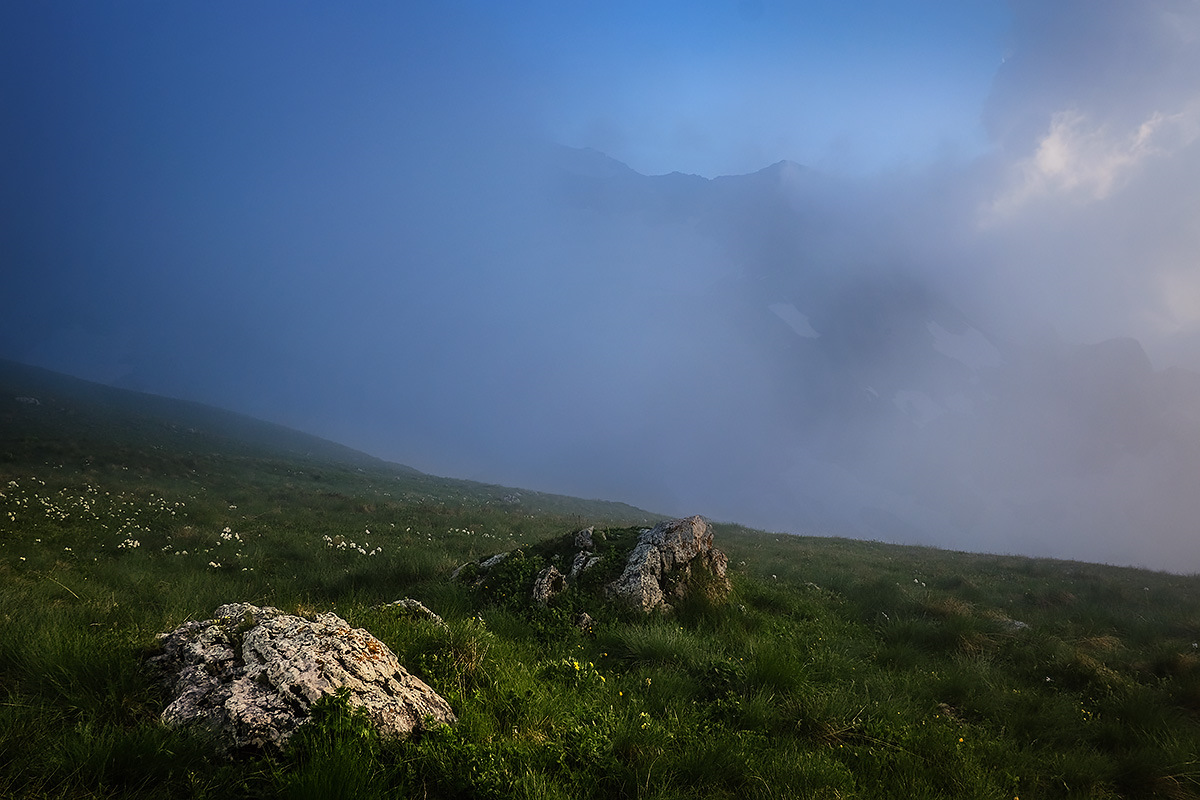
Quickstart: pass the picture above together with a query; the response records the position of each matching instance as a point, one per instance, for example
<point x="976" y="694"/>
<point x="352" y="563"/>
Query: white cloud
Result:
<point x="1081" y="160"/>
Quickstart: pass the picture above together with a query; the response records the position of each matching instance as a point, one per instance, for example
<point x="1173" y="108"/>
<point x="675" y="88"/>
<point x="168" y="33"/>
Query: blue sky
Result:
<point x="712" y="88"/>
<point x="726" y="88"/>
<point x="330" y="215"/>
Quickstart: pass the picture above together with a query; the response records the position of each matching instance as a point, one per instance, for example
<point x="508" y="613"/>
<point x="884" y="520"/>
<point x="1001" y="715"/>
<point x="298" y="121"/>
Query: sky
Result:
<point x="334" y="216"/>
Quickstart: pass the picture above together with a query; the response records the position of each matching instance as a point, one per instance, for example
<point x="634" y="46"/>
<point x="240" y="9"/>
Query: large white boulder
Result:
<point x="252" y="675"/>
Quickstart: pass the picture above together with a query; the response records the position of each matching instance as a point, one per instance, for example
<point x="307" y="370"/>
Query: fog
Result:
<point x="908" y="274"/>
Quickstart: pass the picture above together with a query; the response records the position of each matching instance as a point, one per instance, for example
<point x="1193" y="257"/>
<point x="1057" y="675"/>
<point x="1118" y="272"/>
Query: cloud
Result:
<point x="1084" y="211"/>
<point x="1079" y="160"/>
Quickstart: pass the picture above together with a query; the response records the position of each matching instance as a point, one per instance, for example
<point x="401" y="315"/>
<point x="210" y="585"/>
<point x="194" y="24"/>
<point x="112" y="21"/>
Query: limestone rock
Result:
<point x="252" y="675"/>
<point x="474" y="569"/>
<point x="414" y="609"/>
<point x="583" y="538"/>
<point x="668" y="561"/>
<point x="582" y="563"/>
<point x="547" y="584"/>
<point x="493" y="561"/>
<point x="561" y="562"/>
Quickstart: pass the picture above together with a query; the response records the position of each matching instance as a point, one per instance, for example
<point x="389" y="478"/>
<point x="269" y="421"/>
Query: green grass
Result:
<point x="837" y="669"/>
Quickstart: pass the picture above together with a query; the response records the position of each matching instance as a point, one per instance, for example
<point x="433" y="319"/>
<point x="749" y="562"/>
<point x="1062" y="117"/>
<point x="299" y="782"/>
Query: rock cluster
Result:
<point x="252" y="675"/>
<point x="670" y="560"/>
<point x="550" y="581"/>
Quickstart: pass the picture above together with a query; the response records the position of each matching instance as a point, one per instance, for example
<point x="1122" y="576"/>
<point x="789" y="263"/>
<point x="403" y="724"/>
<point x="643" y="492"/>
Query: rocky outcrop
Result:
<point x="252" y="675"/>
<point x="671" y="560"/>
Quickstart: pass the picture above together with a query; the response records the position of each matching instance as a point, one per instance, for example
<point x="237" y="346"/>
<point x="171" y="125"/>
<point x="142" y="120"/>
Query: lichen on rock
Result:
<point x="252" y="675"/>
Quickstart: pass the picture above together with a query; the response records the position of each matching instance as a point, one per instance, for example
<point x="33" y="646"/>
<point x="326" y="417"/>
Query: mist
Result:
<point x="922" y="276"/>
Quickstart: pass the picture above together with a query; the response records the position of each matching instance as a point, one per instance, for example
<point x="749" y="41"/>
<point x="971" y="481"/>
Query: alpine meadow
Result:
<point x="833" y="669"/>
<point x="722" y="399"/>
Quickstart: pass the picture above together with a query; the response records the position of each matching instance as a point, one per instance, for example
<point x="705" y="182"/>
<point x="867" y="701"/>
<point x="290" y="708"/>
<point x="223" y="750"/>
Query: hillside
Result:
<point x="77" y="425"/>
<point x="837" y="668"/>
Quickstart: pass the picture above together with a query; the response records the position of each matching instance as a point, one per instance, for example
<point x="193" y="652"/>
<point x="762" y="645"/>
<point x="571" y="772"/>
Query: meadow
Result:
<point x="837" y="668"/>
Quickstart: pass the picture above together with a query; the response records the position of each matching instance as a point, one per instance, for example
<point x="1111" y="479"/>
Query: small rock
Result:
<point x="415" y="609"/>
<point x="493" y="561"/>
<point x="582" y="563"/>
<point x="547" y="584"/>
<point x="584" y="621"/>
<point x="583" y="539"/>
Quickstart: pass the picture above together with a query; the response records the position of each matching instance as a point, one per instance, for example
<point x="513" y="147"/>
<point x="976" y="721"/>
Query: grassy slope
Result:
<point x="84" y="428"/>
<point x="839" y="668"/>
